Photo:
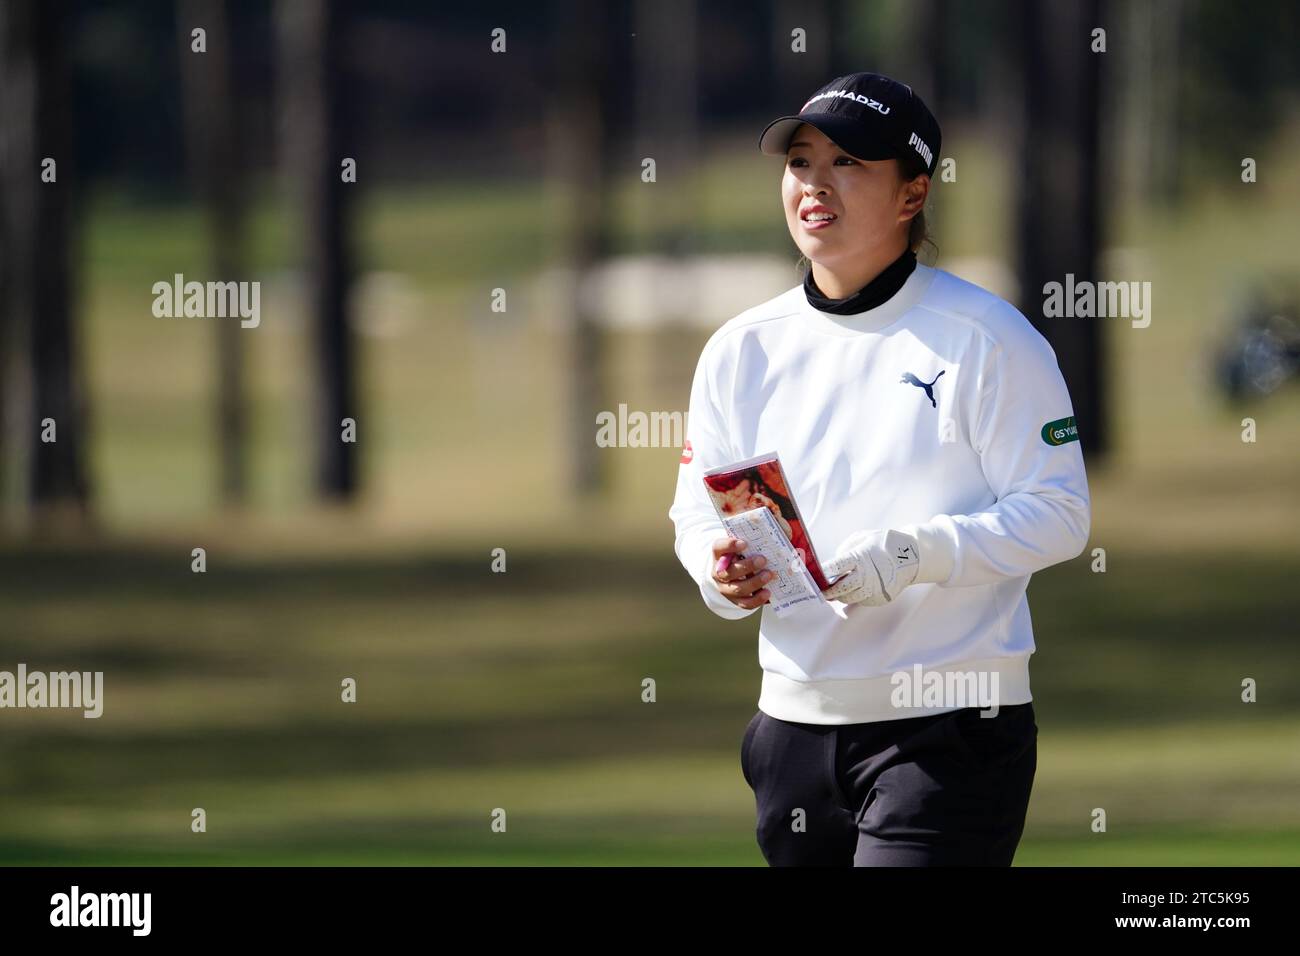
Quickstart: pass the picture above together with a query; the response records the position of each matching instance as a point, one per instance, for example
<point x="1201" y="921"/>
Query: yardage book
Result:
<point x="753" y="500"/>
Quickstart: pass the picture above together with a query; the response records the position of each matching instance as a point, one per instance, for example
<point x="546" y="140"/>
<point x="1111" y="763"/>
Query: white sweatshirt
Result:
<point x="989" y="479"/>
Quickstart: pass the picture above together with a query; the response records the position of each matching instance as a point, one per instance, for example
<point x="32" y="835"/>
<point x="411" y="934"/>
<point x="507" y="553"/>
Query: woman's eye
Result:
<point x="803" y="162"/>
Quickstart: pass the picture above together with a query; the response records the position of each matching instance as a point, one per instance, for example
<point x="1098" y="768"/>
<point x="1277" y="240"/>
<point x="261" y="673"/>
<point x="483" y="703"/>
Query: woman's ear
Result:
<point x="915" y="193"/>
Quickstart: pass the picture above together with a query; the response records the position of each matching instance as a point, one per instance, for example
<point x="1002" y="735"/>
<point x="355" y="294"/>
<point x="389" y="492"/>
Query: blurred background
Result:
<point x="552" y="205"/>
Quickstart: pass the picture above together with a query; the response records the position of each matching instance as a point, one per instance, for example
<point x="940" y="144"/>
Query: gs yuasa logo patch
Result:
<point x="1061" y="431"/>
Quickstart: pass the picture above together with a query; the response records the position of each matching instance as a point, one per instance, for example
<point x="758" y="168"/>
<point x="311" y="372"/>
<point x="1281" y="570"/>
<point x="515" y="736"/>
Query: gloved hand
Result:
<point x="879" y="565"/>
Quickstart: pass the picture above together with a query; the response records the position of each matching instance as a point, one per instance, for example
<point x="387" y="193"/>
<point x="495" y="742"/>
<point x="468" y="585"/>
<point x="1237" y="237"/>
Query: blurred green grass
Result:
<point x="522" y="690"/>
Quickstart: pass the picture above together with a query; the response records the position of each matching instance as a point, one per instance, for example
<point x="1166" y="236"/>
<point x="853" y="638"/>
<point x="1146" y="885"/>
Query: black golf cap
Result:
<point x="867" y="115"/>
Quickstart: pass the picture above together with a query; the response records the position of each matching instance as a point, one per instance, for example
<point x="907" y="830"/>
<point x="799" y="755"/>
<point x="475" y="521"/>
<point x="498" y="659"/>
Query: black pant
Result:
<point x="947" y="789"/>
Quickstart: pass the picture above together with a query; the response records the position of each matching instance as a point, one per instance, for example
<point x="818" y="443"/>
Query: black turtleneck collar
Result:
<point x="876" y="292"/>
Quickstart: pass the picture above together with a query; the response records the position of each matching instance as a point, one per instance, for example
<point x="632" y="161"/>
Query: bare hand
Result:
<point x="741" y="582"/>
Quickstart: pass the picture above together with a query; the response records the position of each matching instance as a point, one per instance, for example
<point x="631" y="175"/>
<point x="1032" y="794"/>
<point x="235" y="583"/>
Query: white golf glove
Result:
<point x="879" y="565"/>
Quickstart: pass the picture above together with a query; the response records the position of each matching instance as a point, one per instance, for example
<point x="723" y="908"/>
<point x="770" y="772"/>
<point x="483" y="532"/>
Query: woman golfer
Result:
<point x="929" y="440"/>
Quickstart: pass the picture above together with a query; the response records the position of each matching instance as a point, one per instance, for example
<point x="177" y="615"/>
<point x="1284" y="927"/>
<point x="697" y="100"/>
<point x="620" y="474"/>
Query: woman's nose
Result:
<point x="815" y="183"/>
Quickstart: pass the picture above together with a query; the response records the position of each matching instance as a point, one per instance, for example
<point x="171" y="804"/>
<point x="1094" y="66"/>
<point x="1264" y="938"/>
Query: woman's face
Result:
<point x="866" y="197"/>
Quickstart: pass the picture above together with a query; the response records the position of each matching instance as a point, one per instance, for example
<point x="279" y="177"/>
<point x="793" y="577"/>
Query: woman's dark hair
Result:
<point x="918" y="232"/>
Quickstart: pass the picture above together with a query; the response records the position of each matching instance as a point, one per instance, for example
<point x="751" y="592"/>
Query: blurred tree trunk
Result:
<point x="581" y="146"/>
<point x="1148" y="38"/>
<point x="213" y="136"/>
<point x="667" y="97"/>
<point x="1059" y="211"/>
<point x="12" y="347"/>
<point x="1166" y="23"/>
<point x="667" y="104"/>
<point x="927" y="54"/>
<point x="797" y="75"/>
<point x="40" y="373"/>
<point x="310" y="38"/>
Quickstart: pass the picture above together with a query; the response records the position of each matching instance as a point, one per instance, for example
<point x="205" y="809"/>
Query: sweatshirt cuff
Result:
<point x="935" y="549"/>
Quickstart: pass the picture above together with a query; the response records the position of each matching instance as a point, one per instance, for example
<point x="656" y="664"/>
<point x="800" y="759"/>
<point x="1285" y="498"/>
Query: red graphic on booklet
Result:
<point x="760" y="482"/>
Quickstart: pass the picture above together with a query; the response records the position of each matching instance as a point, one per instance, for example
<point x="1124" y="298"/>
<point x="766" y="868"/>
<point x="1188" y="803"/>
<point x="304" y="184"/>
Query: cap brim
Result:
<point x="775" y="138"/>
<point x="843" y="131"/>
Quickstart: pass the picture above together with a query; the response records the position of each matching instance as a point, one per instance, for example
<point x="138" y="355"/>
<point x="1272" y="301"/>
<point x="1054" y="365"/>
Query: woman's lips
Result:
<point x="812" y="225"/>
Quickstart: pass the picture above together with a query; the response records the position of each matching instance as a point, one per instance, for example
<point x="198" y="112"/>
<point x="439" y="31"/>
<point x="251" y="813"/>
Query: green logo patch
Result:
<point x="1061" y="431"/>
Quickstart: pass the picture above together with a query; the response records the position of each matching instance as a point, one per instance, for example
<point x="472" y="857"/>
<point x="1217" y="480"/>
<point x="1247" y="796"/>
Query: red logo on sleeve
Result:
<point x="687" y="453"/>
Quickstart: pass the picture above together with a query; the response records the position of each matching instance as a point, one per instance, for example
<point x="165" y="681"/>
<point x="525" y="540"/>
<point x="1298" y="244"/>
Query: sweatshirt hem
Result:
<point x="865" y="700"/>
